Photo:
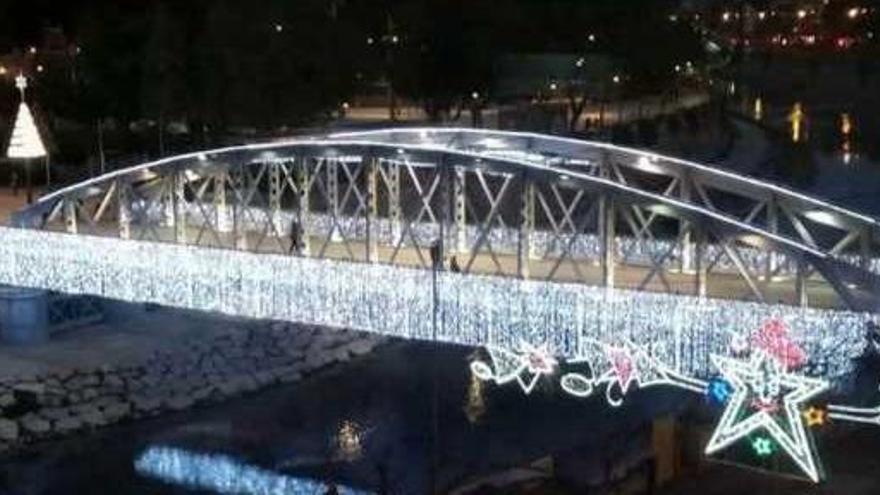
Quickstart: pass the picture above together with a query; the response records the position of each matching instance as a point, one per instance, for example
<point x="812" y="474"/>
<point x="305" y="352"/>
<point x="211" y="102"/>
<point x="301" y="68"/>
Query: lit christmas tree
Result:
<point x="25" y="142"/>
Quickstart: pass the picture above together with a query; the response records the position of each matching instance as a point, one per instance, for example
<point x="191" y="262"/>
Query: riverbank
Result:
<point x="154" y="362"/>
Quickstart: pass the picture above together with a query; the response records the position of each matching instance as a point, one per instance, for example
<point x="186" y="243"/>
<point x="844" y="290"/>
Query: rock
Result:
<point x="203" y="393"/>
<point x="54" y="413"/>
<point x="289" y="374"/>
<point x="68" y="424"/>
<point x="34" y="424"/>
<point x="89" y="394"/>
<point x="342" y="354"/>
<point x="115" y="412"/>
<point x="361" y="346"/>
<point x="179" y="402"/>
<point x="264" y="378"/>
<point x="33" y="388"/>
<point x="93" y="418"/>
<point x="146" y="404"/>
<point x="113" y="382"/>
<point x="7" y="400"/>
<point x="8" y="430"/>
<point x="85" y="409"/>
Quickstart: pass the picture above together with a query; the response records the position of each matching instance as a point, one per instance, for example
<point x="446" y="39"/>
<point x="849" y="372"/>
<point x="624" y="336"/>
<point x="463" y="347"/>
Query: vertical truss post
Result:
<point x="865" y="248"/>
<point x="123" y="199"/>
<point x="301" y="179"/>
<point x="394" y="207"/>
<point x="684" y="227"/>
<point x="333" y="196"/>
<point x="70" y="220"/>
<point x="773" y="228"/>
<point x="179" y="202"/>
<point x="606" y="239"/>
<point x="275" y="193"/>
<point x="525" y="248"/>
<point x="220" y="205"/>
<point x="372" y="209"/>
<point x="239" y="229"/>
<point x="168" y="199"/>
<point x="700" y="265"/>
<point x="800" y="283"/>
<point x="459" y="210"/>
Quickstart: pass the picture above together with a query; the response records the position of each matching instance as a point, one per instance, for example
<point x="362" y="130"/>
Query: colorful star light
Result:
<point x="815" y="416"/>
<point x="773" y="339"/>
<point x="719" y="390"/>
<point x="762" y="446"/>
<point x="766" y="398"/>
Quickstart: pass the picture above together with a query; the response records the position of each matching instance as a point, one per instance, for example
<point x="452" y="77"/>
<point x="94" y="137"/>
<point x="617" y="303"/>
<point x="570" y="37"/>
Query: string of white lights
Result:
<point x="680" y="331"/>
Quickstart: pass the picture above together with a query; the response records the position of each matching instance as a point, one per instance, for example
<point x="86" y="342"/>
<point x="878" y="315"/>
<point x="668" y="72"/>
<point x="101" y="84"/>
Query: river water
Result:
<point x="371" y="426"/>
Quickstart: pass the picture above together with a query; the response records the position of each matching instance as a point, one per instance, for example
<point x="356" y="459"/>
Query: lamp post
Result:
<point x="25" y="143"/>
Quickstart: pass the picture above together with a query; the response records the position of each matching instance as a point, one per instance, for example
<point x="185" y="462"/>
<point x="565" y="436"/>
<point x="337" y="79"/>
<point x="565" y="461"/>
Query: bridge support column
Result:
<point x="239" y="228"/>
<point x="179" y="202"/>
<point x="275" y="192"/>
<point x="372" y="210"/>
<point x="685" y="228"/>
<point x="700" y="267"/>
<point x="70" y="220"/>
<point x="800" y="284"/>
<point x="123" y="199"/>
<point x="773" y="227"/>
<point x="221" y="206"/>
<point x="333" y="197"/>
<point x="459" y="181"/>
<point x="394" y="211"/>
<point x="865" y="249"/>
<point x="301" y="180"/>
<point x="527" y="227"/>
<point x="606" y="240"/>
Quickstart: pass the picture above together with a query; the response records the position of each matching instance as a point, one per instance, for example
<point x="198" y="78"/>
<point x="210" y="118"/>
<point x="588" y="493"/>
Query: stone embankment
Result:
<point x="225" y="366"/>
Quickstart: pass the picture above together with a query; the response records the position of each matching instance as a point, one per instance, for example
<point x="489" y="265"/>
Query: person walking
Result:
<point x="296" y="234"/>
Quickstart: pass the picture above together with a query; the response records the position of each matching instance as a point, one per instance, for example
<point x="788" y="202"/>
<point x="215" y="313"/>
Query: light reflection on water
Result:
<point x="836" y="133"/>
<point x="797" y="118"/>
<point x="226" y="475"/>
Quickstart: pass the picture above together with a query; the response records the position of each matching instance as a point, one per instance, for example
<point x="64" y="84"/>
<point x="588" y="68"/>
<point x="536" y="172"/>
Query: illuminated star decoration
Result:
<point x="766" y="398"/>
<point x="525" y="366"/>
<point x="815" y="416"/>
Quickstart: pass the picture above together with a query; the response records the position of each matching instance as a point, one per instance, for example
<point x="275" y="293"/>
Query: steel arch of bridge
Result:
<point x="503" y="203"/>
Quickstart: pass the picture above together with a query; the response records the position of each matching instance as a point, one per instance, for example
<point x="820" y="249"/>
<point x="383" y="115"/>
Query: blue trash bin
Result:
<point x="24" y="316"/>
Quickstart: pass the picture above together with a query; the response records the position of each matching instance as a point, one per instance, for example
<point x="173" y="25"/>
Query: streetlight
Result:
<point x="279" y="28"/>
